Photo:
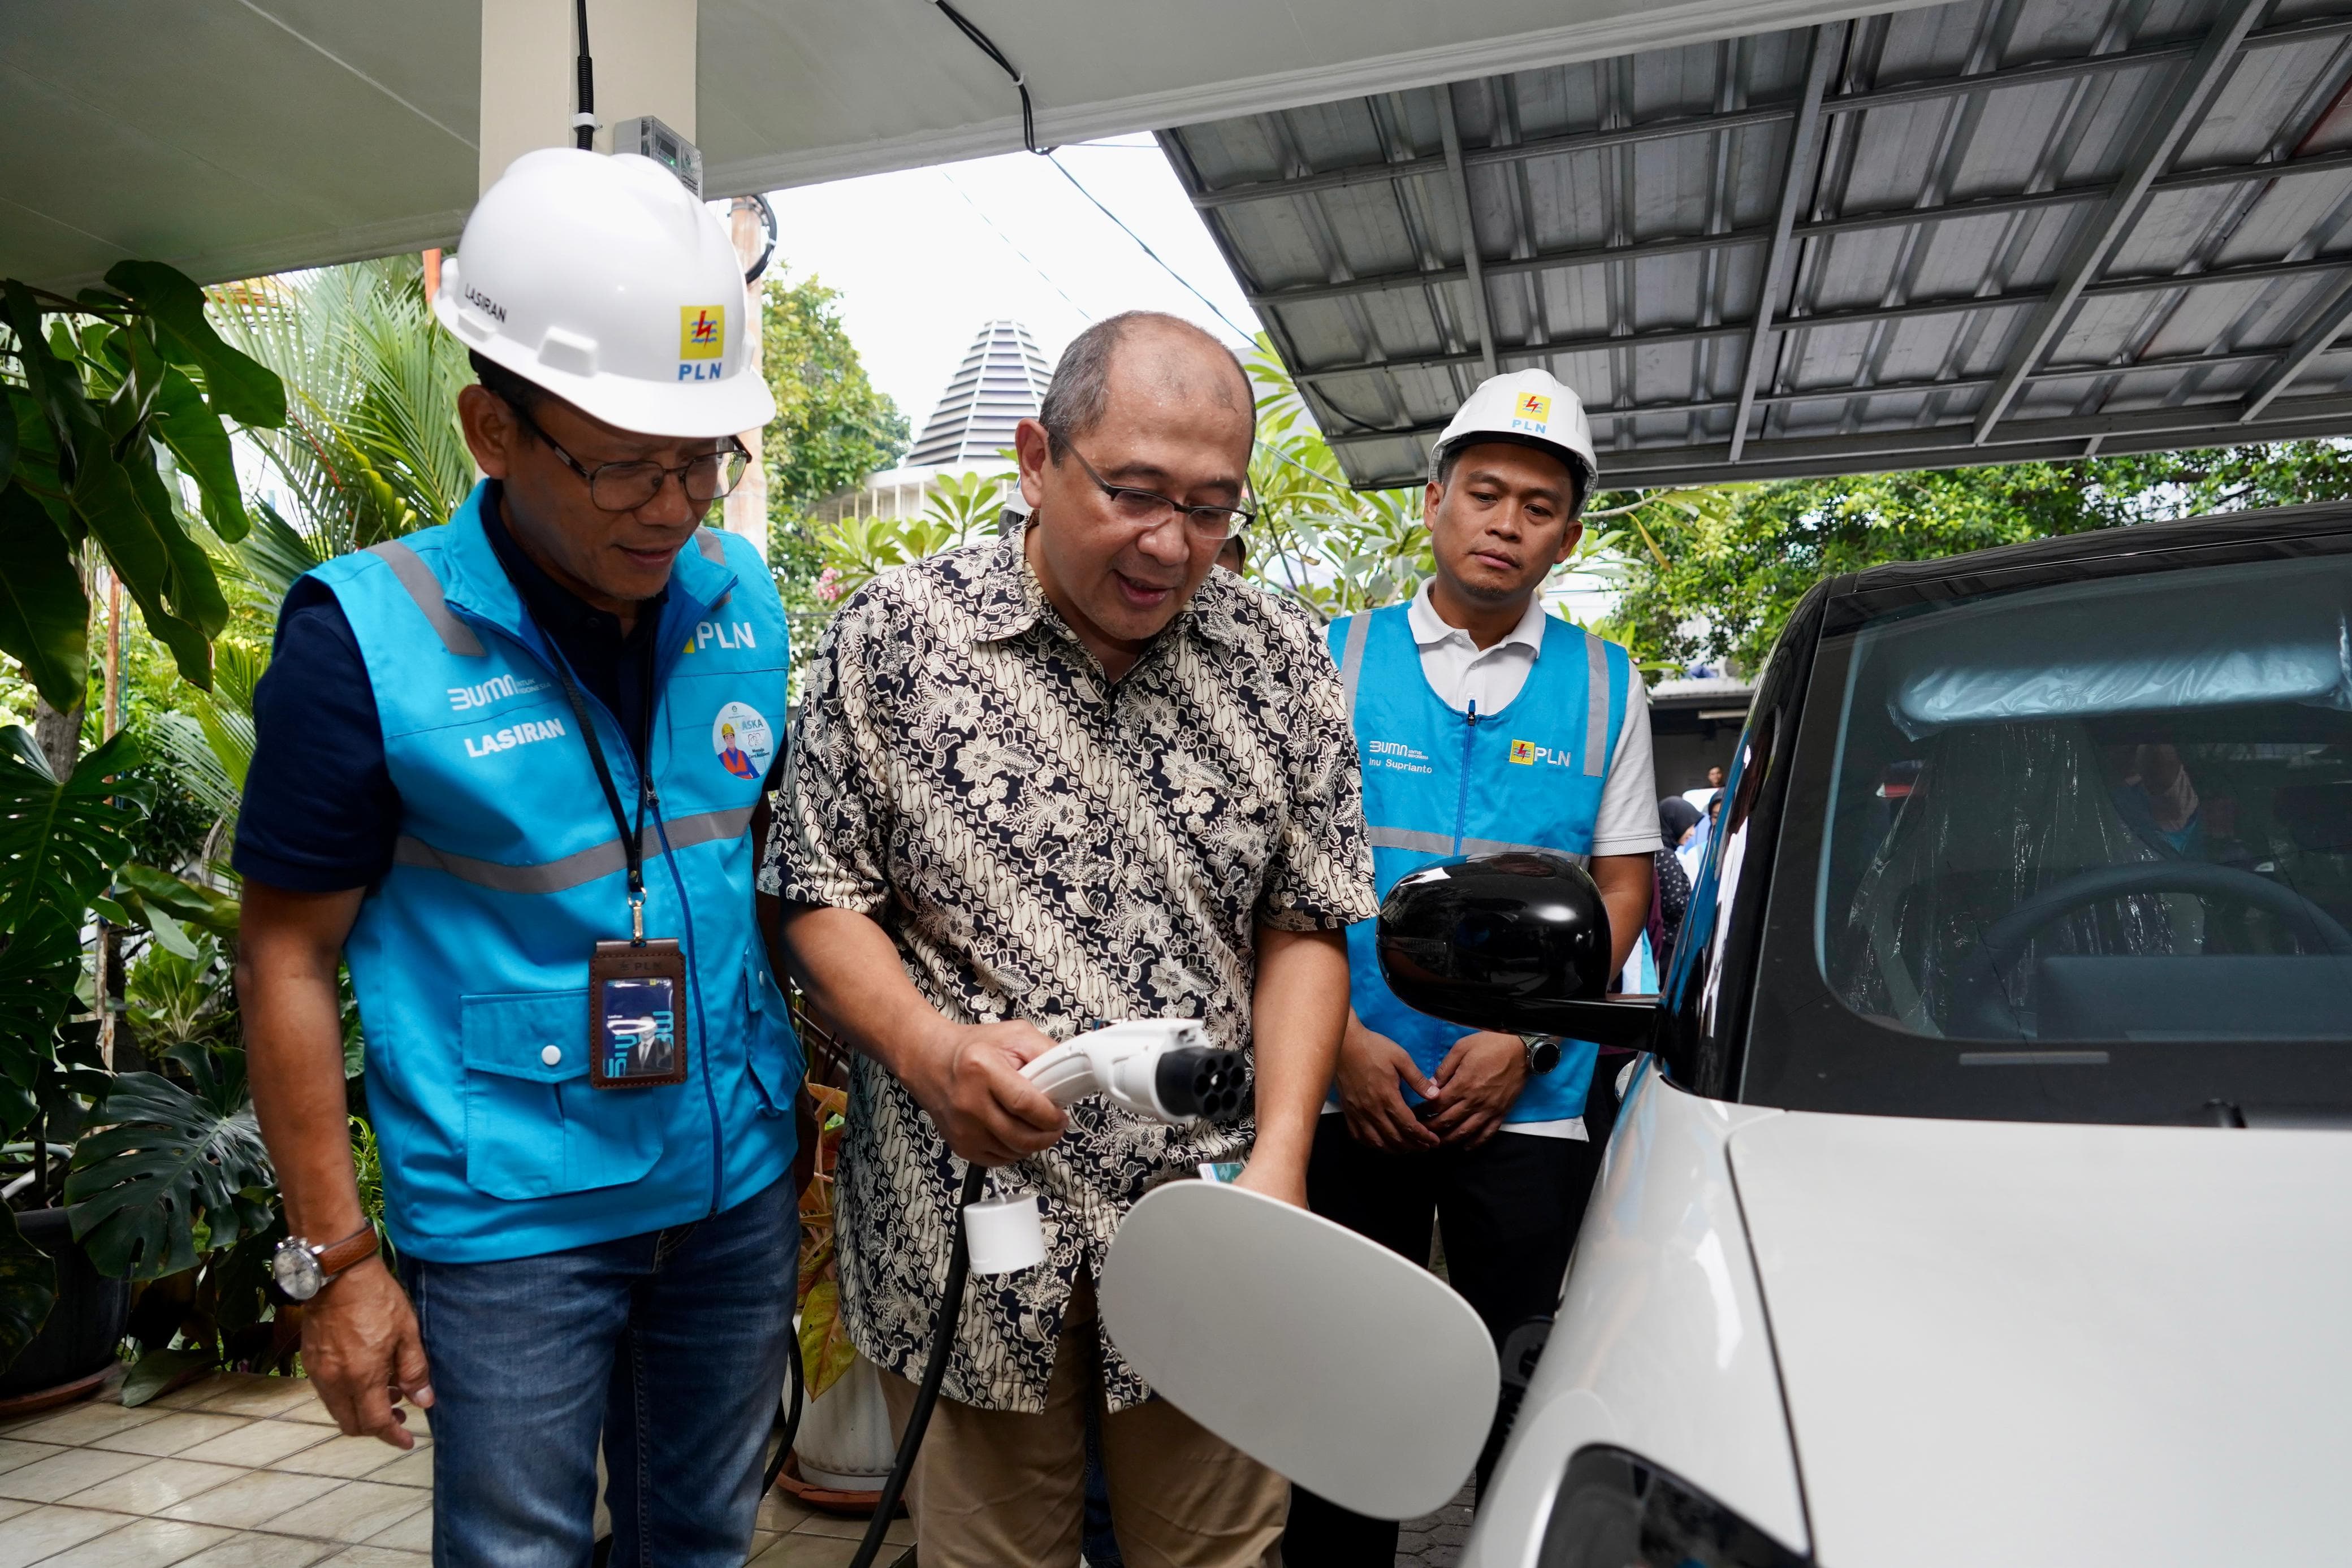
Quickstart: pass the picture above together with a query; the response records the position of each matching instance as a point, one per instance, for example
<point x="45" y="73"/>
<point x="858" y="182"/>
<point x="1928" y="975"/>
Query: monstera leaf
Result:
<point x="28" y="1288"/>
<point x="165" y="1158"/>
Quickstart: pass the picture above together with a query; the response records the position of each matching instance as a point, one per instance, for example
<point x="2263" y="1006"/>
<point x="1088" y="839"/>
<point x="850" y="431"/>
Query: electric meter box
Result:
<point x="650" y="137"/>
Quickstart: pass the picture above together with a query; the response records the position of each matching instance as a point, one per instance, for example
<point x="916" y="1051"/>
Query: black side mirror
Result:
<point x="1517" y="943"/>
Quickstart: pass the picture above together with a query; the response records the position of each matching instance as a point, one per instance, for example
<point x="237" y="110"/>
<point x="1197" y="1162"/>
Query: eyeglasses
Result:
<point x="625" y="486"/>
<point x="1148" y="509"/>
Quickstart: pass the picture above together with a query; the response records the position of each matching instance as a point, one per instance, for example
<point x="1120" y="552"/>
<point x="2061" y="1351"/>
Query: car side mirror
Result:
<point x="1517" y="943"/>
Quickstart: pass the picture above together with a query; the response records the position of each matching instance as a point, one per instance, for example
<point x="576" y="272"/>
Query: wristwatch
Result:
<point x="303" y="1271"/>
<point x="1543" y="1052"/>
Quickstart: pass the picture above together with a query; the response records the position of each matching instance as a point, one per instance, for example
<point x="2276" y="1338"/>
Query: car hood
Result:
<point x="2025" y="1344"/>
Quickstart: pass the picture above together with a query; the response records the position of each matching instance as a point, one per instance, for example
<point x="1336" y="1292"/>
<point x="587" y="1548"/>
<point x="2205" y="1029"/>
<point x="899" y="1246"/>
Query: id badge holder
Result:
<point x="636" y="1014"/>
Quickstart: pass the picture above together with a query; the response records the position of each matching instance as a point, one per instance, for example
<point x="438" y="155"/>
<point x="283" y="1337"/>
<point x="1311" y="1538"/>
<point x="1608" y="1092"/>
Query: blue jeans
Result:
<point x="670" y="1344"/>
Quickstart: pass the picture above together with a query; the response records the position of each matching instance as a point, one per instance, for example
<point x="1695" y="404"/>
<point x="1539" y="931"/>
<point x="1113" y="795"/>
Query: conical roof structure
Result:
<point x="1002" y="382"/>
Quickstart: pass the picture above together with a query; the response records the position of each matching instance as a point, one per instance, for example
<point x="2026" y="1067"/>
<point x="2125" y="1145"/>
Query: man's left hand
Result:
<point x="1475" y="1085"/>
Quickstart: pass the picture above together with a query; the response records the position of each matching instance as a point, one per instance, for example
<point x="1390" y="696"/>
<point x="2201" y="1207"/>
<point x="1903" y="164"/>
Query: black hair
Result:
<point x="507" y="386"/>
<point x="1080" y="393"/>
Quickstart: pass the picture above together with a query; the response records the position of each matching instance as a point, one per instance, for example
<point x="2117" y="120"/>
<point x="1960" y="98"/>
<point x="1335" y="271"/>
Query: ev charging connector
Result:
<point x="1160" y="1068"/>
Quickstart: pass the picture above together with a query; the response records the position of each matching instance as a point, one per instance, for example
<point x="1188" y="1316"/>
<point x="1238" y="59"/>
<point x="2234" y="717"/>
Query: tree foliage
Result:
<point x="1720" y="575"/>
<point x="832" y="427"/>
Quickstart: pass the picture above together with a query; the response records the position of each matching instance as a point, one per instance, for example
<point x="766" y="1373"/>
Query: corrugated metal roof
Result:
<point x="1986" y="231"/>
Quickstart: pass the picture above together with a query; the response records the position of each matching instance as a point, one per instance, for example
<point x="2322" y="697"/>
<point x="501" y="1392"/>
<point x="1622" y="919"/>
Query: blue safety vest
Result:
<point x="1439" y="783"/>
<point x="470" y="957"/>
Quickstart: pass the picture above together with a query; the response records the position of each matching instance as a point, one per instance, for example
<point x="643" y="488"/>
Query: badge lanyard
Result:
<point x="636" y="988"/>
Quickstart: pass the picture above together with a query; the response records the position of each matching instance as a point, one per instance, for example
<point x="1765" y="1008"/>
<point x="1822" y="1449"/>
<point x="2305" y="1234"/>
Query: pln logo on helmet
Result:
<point x="701" y="341"/>
<point x="1532" y="410"/>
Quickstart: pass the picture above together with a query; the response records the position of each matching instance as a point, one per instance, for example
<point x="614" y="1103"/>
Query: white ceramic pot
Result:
<point x="844" y="1437"/>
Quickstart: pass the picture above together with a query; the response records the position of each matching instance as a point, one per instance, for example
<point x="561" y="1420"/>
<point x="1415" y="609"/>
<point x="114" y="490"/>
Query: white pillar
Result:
<point x="643" y="55"/>
<point x="747" y="507"/>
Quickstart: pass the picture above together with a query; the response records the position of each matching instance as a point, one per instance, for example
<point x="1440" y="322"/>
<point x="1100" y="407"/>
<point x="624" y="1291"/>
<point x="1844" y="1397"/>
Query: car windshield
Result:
<point x="2116" y="811"/>
<point x="2106" y="812"/>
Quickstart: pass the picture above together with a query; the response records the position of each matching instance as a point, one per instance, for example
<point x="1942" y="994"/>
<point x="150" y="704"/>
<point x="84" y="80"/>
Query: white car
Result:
<point x="1984" y="1196"/>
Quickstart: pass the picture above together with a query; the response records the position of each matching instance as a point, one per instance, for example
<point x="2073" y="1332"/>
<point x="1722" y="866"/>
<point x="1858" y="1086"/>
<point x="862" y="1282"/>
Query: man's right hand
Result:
<point x="1373" y="1070"/>
<point x="968" y="1076"/>
<point x="361" y="1349"/>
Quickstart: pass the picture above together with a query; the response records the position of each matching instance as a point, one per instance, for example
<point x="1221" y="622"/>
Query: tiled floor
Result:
<point x="240" y="1471"/>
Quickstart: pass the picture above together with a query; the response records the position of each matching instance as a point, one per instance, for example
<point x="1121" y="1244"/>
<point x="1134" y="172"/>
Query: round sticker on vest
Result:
<point x="742" y="740"/>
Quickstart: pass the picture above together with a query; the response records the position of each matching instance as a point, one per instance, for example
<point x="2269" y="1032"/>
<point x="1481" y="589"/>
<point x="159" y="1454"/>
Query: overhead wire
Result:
<point x="1245" y="335"/>
<point x="1015" y="249"/>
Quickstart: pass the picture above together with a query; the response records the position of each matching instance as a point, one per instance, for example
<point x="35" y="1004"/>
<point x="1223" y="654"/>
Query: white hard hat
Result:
<point x="604" y="280"/>
<point x="1530" y="407"/>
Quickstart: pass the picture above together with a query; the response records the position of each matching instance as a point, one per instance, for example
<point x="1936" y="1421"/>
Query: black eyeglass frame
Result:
<point x="734" y="448"/>
<point x="1234" y="519"/>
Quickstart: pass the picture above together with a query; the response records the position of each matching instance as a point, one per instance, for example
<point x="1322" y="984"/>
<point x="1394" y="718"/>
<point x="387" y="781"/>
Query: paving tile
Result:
<point x="414" y="1469"/>
<point x="761" y="1541"/>
<point x="807" y="1552"/>
<point x="778" y="1512"/>
<point x="312" y="1410"/>
<point x="189" y="1396"/>
<point x="15" y="1452"/>
<point x="84" y="1423"/>
<point x="414" y="1534"/>
<point x="258" y="1443"/>
<point x="11" y="1507"/>
<point x="377" y="1557"/>
<point x="351" y="1512"/>
<point x="349" y="1458"/>
<point x="253" y="1499"/>
<point x="251" y="1394"/>
<point x="46" y="1531"/>
<point x="143" y="1543"/>
<point x="170" y="1432"/>
<point x="67" y="1470"/>
<point x="248" y="1549"/>
<point x="154" y="1486"/>
<point x="900" y="1533"/>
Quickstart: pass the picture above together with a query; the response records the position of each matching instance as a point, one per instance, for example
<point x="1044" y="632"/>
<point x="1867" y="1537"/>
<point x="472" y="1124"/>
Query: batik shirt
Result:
<point x="1046" y="844"/>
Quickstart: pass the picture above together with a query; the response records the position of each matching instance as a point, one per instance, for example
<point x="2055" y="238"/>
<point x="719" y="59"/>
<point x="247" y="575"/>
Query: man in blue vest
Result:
<point x="1483" y="726"/>
<point x="504" y="769"/>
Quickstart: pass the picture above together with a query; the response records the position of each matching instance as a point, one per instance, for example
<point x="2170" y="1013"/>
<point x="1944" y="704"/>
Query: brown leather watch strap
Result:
<point x="359" y="1244"/>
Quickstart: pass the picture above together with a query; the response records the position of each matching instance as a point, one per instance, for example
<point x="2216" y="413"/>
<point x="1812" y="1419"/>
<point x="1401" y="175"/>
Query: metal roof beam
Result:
<point x="2252" y="272"/>
<point x="1700" y="124"/>
<point x="1835" y="394"/>
<point x="1796" y="181"/>
<point x="2317" y="339"/>
<point x="2173" y="121"/>
<point x="1853" y="223"/>
<point x="1473" y="265"/>
<point x="2019" y="441"/>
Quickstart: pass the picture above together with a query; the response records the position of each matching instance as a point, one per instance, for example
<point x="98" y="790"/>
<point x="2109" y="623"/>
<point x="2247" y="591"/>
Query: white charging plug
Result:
<point x="1160" y="1067"/>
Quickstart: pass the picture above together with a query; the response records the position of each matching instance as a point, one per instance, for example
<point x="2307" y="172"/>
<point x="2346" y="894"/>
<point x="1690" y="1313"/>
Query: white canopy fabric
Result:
<point x="237" y="136"/>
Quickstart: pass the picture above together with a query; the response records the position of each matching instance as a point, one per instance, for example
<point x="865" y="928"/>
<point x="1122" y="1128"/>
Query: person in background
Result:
<point x="1714" y="787"/>
<point x="1069" y="775"/>
<point x="1677" y="823"/>
<point x="489" y="756"/>
<point x="1485" y="726"/>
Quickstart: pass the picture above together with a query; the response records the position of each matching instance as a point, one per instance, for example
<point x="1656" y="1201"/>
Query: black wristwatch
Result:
<point x="1543" y="1054"/>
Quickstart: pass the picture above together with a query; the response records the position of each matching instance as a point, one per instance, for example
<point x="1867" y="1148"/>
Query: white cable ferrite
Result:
<point x="1004" y="1234"/>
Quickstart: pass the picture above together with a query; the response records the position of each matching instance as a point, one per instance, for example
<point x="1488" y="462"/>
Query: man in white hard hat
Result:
<point x="1483" y="726"/>
<point x="503" y="771"/>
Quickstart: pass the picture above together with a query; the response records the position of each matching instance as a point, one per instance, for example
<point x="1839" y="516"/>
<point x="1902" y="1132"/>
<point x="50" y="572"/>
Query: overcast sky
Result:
<point x="924" y="258"/>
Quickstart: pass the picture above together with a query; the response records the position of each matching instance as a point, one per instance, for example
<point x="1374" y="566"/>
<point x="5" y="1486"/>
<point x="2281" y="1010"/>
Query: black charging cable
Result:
<point x="788" y="1417"/>
<point x="583" y="123"/>
<point x="988" y="47"/>
<point x="935" y="1372"/>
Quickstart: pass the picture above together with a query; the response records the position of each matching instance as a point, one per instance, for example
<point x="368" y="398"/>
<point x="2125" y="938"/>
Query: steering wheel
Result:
<point x="1983" y="1008"/>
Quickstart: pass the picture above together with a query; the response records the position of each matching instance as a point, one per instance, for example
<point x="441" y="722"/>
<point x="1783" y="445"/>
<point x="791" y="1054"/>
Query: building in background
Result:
<point x="1001" y="382"/>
